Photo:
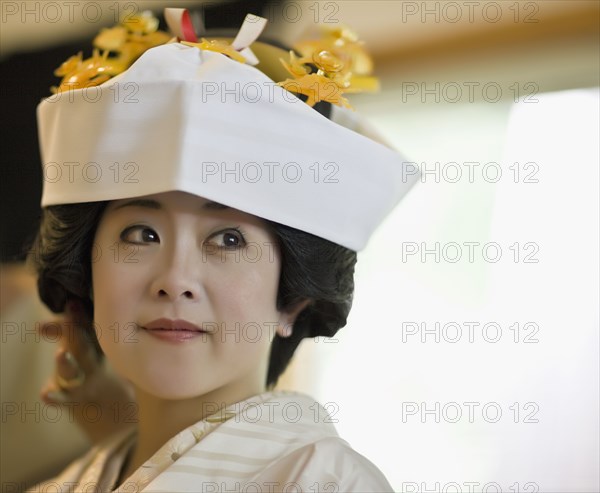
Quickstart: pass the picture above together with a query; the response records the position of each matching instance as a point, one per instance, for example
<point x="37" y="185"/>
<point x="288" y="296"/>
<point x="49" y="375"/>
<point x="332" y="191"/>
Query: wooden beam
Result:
<point x="578" y="24"/>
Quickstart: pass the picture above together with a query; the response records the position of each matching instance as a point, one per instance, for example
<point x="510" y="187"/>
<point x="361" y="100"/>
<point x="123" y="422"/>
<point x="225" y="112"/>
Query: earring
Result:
<point x="285" y="330"/>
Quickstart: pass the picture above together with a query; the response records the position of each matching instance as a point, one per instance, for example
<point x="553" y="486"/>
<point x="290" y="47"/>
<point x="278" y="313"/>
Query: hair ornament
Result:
<point x="138" y="33"/>
<point x="219" y="47"/>
<point x="180" y="24"/>
<point x="128" y="41"/>
<point x="325" y="70"/>
<point x="329" y="67"/>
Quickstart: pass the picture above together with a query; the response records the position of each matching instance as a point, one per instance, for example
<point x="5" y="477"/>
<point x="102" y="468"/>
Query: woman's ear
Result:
<point x="288" y="317"/>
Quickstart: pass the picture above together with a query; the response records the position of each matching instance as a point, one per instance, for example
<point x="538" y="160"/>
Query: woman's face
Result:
<point x="185" y="294"/>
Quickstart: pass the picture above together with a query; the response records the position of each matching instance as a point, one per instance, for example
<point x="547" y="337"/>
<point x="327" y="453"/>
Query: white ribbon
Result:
<point x="180" y="24"/>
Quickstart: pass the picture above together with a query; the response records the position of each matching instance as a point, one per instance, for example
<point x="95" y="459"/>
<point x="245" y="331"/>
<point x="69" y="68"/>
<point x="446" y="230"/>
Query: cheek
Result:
<point x="245" y="307"/>
<point x="247" y="291"/>
<point x="116" y="285"/>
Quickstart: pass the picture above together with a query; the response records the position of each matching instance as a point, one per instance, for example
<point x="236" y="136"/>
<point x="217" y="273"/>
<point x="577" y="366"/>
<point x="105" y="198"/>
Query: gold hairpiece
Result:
<point x="325" y="70"/>
<point x="329" y="67"/>
<point x="129" y="41"/>
<point x="219" y="47"/>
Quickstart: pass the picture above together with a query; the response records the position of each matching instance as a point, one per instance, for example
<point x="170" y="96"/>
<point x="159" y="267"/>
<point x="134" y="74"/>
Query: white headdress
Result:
<point x="191" y="119"/>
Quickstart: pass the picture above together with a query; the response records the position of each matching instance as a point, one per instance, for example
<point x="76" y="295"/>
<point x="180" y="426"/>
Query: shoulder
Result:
<point x="329" y="465"/>
<point x="86" y="471"/>
<point x="324" y="462"/>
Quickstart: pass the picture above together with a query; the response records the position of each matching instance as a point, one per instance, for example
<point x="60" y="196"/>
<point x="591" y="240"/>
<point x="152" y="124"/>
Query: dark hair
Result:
<point x="311" y="268"/>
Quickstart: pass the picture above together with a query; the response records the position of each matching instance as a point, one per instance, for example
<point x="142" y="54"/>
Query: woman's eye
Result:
<point x="140" y="235"/>
<point x="231" y="238"/>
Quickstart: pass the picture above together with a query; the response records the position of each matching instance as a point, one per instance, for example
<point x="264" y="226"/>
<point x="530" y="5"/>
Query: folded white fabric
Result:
<point x="182" y="118"/>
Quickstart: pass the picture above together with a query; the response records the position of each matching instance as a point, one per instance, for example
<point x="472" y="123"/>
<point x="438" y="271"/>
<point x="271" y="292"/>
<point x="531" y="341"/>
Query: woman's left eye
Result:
<point x="140" y="235"/>
<point x="230" y="238"/>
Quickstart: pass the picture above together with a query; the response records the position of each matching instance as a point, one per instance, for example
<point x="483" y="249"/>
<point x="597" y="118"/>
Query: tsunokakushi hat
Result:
<point x="216" y="119"/>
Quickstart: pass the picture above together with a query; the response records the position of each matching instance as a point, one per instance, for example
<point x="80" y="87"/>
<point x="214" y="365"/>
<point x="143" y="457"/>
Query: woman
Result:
<point x="207" y="221"/>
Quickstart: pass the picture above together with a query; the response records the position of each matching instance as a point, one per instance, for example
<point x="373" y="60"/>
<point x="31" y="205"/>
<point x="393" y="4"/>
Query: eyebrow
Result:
<point x="214" y="205"/>
<point x="146" y="203"/>
<point x="153" y="204"/>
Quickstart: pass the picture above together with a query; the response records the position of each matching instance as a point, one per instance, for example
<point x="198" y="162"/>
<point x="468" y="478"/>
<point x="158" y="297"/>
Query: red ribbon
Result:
<point x="187" y="28"/>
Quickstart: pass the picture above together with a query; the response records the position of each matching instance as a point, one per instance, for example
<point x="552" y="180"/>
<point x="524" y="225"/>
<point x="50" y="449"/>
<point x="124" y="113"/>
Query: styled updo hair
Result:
<point x="311" y="268"/>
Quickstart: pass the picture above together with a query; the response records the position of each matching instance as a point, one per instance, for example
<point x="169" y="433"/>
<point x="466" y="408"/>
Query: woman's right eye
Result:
<point x="139" y="235"/>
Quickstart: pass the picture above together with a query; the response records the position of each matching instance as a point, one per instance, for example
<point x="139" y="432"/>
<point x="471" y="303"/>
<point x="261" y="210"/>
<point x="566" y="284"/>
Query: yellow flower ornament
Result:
<point x="128" y="41"/>
<point x="327" y="84"/>
<point x="330" y="67"/>
<point x="79" y="74"/>
<point x="219" y="47"/>
<point x="344" y="43"/>
<point x="324" y="70"/>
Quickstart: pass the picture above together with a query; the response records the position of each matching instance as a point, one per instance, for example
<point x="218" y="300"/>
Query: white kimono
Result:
<point x="276" y="441"/>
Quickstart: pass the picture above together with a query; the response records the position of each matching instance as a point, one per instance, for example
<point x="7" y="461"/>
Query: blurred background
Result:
<point x="470" y="360"/>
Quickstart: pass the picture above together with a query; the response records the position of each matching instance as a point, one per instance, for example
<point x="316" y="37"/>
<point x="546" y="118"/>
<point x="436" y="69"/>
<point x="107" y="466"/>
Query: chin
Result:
<point x="170" y="394"/>
<point x="172" y="387"/>
<point x="172" y="391"/>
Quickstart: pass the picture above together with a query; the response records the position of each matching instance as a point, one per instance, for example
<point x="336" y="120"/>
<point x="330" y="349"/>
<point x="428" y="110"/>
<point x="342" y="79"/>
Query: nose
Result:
<point x="177" y="279"/>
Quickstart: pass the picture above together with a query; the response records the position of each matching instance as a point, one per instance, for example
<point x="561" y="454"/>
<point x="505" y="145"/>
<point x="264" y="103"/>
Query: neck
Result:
<point x="160" y="419"/>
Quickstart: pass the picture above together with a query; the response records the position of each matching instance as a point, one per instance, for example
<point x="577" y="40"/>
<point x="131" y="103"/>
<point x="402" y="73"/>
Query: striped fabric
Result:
<point x="276" y="441"/>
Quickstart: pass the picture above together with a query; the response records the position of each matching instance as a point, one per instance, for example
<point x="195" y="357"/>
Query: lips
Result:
<point x="168" y="324"/>
<point x="173" y="330"/>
